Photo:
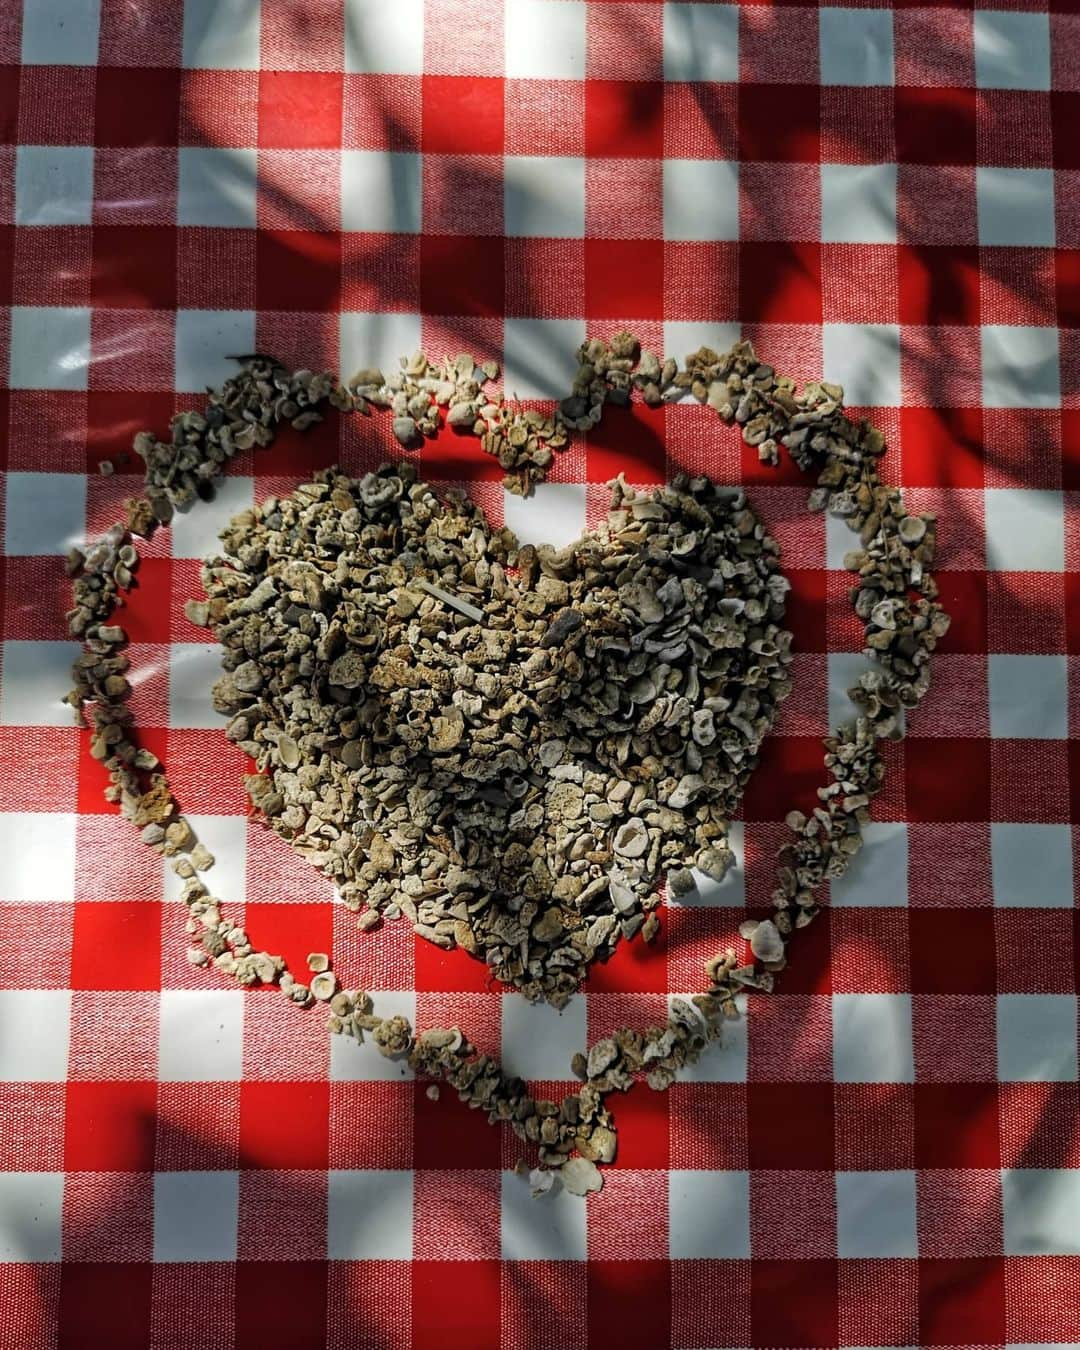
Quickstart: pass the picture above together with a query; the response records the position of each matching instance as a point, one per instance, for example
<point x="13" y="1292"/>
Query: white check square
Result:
<point x="729" y="893"/>
<point x="205" y="340"/>
<point x="1012" y="51"/>
<point x="839" y="539"/>
<point x="1020" y="367"/>
<point x="856" y="45"/>
<point x="539" y="356"/>
<point x="201" y="1035"/>
<point x="545" y="41"/>
<point x="1036" y="1038"/>
<point x="1025" y="530"/>
<point x="701" y="42"/>
<point x="554" y="514"/>
<point x="45" y="513"/>
<point x="872" y="1038"/>
<point x="551" y="1227"/>
<point x="60" y="32"/>
<point x="50" y="347"/>
<point x="54" y="184"/>
<point x="1015" y="207"/>
<point x="384" y="39"/>
<point x="31" y="1217"/>
<point x="353" y="1063"/>
<point x="226" y="838"/>
<point x="684" y="336"/>
<point x="37" y="857"/>
<point x="369" y="1215"/>
<point x="217" y="187"/>
<point x="701" y="199"/>
<point x="221" y="35"/>
<point x="34" y="1035"/>
<point x="724" y="1061"/>
<point x="1041" y="1208"/>
<point x="544" y="195"/>
<point x="865" y="359"/>
<point x="377" y="340"/>
<point x="708" y="1215"/>
<point x="1029" y="697"/>
<point x="1032" y="866"/>
<point x="875" y="1215"/>
<point x="538" y="1041"/>
<point x="380" y="192"/>
<point x="194" y="669"/>
<point x="196" y="533"/>
<point x="195" y="1216"/>
<point x="858" y="203"/>
<point x="845" y="669"/>
<point x="33" y="678"/>
<point x="878" y="874"/>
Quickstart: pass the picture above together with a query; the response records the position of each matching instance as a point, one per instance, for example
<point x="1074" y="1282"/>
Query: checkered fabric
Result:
<point x="887" y="1152"/>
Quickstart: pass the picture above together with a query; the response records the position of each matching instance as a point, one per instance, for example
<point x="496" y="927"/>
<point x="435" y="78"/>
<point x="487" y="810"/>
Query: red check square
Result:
<point x="624" y="118"/>
<point x="794" y="1303"/>
<point x="956" y="1125"/>
<point x="110" y="1127"/>
<point x="116" y="945"/>
<point x="460" y="274"/>
<point x="788" y="775"/>
<point x="300" y="110"/>
<point x="136" y="106"/>
<point x="447" y="1133"/>
<point x="938" y="284"/>
<point x="771" y="1107"/>
<point x="629" y="1302"/>
<point x="284" y="1125"/>
<point x="962" y="1301"/>
<point x="935" y="126"/>
<point x="113" y="418"/>
<point x="643" y="1126"/>
<point x="624" y="279"/>
<point x="942" y="447"/>
<point x="878" y="1133"/>
<point x="1064" y="119"/>
<point x="462" y="115"/>
<point x="298" y="270"/>
<point x="780" y="283"/>
<point x="291" y="930"/>
<point x="963" y="794"/>
<point x="952" y="951"/>
<point x="455" y="1305"/>
<point x="52" y="267"/>
<point x="779" y="122"/>
<point x="134" y="267"/>
<point x="104" y="1303"/>
<point x="631" y="441"/>
<point x="289" y="1296"/>
<point x="804" y="614"/>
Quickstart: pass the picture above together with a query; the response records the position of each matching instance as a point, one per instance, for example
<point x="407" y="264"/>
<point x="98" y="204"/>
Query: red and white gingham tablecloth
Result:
<point x="888" y="1151"/>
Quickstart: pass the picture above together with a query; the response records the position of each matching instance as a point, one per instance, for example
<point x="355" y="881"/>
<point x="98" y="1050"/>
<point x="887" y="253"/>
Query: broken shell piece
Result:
<point x="580" y="1176"/>
<point x="324" y="986"/>
<point x="766" y="942"/>
<point x="632" y="839"/>
<point x="715" y="862"/>
<point x="541" y="1181"/>
<point x="912" y="529"/>
<point x="318" y="962"/>
<point x="680" y="881"/>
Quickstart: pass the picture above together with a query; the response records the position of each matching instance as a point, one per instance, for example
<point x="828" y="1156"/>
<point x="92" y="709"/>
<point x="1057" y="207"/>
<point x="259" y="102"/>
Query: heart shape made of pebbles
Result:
<point x="510" y="745"/>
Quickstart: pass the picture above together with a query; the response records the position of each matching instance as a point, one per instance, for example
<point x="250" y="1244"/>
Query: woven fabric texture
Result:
<point x="887" y="1151"/>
